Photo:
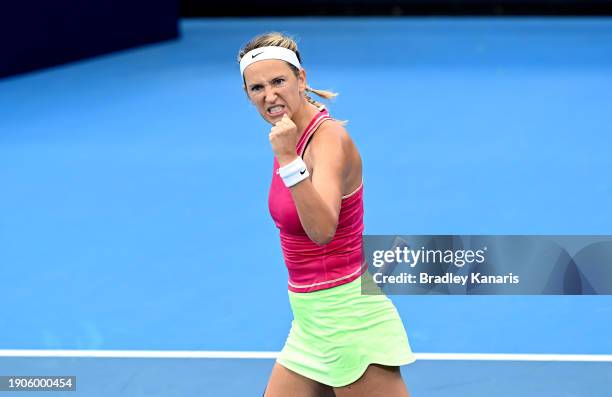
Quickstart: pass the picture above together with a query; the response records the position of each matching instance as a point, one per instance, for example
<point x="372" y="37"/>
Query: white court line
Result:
<point x="271" y="355"/>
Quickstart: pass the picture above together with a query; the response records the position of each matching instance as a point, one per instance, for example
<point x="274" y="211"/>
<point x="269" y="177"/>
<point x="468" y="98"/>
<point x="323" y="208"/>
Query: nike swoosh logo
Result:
<point x="254" y="55"/>
<point x="302" y="172"/>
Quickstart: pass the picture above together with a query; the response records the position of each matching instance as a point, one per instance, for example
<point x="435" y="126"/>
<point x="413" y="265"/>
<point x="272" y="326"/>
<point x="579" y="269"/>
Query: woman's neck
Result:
<point x="305" y="116"/>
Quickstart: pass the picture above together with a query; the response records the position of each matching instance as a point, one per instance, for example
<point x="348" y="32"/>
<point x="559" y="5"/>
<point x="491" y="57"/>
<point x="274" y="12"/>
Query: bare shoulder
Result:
<point x="332" y="138"/>
<point x="332" y="145"/>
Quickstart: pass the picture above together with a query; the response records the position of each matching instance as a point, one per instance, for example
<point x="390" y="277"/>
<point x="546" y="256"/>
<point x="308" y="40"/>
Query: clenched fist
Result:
<point x="283" y="139"/>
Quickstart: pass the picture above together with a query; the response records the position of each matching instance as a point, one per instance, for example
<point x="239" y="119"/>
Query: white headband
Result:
<point x="272" y="52"/>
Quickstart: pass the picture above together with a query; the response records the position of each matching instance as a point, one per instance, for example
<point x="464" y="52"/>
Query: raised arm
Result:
<point x="317" y="199"/>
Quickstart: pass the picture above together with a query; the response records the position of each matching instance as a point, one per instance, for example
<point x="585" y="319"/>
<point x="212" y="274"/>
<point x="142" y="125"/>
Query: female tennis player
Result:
<point x="341" y="342"/>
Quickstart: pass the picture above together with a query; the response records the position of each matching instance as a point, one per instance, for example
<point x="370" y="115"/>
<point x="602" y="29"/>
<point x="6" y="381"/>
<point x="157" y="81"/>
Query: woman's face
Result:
<point x="274" y="89"/>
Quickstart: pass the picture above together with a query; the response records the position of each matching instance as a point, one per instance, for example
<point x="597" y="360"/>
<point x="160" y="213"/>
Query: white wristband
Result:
<point x="294" y="172"/>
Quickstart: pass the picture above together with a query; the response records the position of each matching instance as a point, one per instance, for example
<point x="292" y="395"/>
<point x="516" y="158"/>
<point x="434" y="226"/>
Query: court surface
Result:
<point x="123" y="227"/>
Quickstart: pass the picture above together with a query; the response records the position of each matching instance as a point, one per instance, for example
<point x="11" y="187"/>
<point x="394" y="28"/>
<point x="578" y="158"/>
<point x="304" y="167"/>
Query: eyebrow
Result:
<point x="282" y="76"/>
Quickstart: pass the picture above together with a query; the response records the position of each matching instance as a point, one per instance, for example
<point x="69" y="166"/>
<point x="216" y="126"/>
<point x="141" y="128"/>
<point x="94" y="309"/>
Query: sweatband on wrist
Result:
<point x="269" y="52"/>
<point x="294" y="172"/>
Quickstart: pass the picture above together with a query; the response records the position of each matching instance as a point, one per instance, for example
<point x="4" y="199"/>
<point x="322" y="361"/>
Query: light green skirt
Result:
<point x="337" y="332"/>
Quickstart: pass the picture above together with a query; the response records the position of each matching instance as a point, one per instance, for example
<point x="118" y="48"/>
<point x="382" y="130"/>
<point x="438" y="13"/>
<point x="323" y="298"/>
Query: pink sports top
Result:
<point x="313" y="267"/>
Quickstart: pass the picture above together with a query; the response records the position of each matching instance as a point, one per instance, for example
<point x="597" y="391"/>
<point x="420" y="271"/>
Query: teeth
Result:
<point x="275" y="109"/>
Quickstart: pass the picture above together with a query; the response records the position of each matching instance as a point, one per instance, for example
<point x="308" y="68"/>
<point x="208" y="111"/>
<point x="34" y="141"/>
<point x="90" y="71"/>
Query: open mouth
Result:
<point x="276" y="110"/>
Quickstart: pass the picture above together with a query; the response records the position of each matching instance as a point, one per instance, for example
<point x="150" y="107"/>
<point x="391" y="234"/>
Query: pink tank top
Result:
<point x="312" y="267"/>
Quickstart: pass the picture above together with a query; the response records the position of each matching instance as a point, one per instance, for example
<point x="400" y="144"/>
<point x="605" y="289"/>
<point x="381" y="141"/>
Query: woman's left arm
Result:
<point x="318" y="199"/>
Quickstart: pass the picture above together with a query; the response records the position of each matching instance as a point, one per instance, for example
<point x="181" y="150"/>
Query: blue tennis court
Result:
<point x="122" y="228"/>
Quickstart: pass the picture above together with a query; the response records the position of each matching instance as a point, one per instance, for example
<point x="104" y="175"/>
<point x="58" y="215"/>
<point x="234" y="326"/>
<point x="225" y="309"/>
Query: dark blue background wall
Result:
<point x="41" y="33"/>
<point x="397" y="7"/>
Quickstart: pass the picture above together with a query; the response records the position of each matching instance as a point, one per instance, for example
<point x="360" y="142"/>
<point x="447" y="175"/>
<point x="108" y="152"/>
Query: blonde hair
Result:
<point x="281" y="40"/>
